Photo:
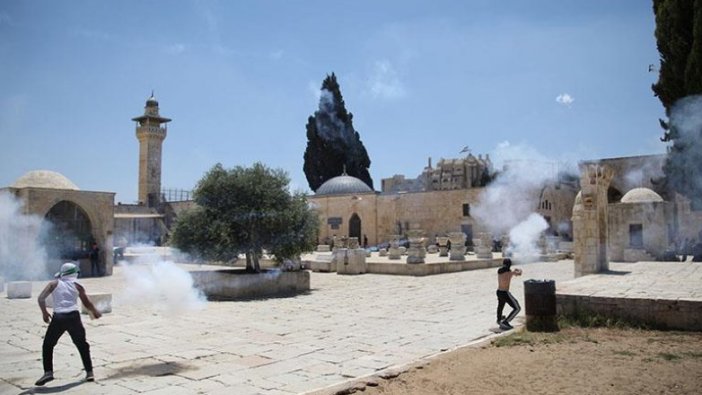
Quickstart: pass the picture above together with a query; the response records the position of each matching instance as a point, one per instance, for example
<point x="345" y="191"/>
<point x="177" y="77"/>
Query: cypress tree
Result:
<point x="332" y="142"/>
<point x="679" y="42"/>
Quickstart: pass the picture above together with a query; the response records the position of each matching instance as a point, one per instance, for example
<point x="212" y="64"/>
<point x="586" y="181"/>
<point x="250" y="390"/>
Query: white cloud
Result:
<point x="384" y="81"/>
<point x="565" y="99"/>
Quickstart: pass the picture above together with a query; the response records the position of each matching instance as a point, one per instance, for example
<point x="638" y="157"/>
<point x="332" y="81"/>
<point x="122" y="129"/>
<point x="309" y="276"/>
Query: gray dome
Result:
<point x="343" y="185"/>
<point x="641" y="195"/>
<point x="44" y="179"/>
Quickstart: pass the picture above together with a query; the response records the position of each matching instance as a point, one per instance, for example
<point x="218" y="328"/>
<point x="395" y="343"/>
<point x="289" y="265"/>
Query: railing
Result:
<point x="176" y="195"/>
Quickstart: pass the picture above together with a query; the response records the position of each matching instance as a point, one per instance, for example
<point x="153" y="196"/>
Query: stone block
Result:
<point x="101" y="301"/>
<point x="354" y="262"/>
<point x="323" y="248"/>
<point x="19" y="290"/>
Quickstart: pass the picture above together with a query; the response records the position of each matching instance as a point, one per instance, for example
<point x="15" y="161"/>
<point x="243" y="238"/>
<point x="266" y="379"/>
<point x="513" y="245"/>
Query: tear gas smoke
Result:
<point x="509" y="203"/>
<point x="160" y="284"/>
<point x="22" y="257"/>
<point x="686" y="121"/>
<point x="523" y="238"/>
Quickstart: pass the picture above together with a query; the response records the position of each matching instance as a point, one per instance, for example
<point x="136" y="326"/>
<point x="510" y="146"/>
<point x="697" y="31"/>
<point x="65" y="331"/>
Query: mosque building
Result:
<point x="640" y="223"/>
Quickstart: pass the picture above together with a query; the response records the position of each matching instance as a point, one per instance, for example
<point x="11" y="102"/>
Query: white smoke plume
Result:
<point x="524" y="235"/>
<point x="159" y="284"/>
<point x="686" y="120"/>
<point x="22" y="257"/>
<point x="509" y="204"/>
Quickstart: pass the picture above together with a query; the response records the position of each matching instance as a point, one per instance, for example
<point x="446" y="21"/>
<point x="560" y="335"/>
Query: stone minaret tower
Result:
<point x="151" y="136"/>
<point x="590" y="220"/>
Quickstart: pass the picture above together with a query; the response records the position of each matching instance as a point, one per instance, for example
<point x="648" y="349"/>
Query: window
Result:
<point x="636" y="236"/>
<point x="466" y="210"/>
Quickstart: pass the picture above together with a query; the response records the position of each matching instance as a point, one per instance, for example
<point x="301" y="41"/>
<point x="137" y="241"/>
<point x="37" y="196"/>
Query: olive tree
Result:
<point x="246" y="210"/>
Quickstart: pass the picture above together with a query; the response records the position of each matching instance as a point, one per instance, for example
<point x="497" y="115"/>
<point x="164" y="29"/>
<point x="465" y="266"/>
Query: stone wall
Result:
<point x="653" y="217"/>
<point x="659" y="313"/>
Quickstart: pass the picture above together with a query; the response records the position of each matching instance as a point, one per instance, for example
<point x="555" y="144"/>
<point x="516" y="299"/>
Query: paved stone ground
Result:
<point x="346" y="327"/>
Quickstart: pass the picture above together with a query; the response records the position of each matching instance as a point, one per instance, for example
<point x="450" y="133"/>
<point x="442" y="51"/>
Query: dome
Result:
<point x="44" y="179"/>
<point x="151" y="102"/>
<point x="641" y="195"/>
<point x="343" y="185"/>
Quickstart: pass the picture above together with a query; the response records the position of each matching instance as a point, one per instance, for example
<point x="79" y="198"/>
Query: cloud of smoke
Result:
<point x="509" y="204"/>
<point x="159" y="284"/>
<point x="524" y="235"/>
<point x="22" y="257"/>
<point x="513" y="195"/>
<point x="686" y="120"/>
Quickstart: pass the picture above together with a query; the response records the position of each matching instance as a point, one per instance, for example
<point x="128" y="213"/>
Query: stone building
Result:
<point x="78" y="217"/>
<point x="449" y="174"/>
<point x="149" y="220"/>
<point x="619" y="215"/>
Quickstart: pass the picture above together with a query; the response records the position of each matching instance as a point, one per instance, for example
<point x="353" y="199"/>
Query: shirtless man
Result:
<point x="504" y="277"/>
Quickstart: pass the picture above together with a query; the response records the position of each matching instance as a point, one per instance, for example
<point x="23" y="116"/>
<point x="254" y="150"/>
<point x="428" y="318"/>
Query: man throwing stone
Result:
<point x="504" y="278"/>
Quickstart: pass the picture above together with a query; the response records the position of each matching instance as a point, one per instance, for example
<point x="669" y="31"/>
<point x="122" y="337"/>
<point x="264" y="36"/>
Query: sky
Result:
<point x="568" y="80"/>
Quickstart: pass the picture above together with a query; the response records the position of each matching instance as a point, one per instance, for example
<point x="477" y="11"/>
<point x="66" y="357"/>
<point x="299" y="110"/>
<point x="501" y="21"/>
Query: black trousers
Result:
<point x="506" y="297"/>
<point x="60" y="323"/>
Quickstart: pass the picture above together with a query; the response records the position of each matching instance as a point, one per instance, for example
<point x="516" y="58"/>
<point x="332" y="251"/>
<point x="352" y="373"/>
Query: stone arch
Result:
<point x="70" y="231"/>
<point x="355" y="227"/>
<point x="614" y="195"/>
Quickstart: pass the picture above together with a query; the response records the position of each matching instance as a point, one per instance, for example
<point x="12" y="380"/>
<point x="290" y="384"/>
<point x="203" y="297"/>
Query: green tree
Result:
<point x="332" y="142"/>
<point x="679" y="41"/>
<point x="246" y="211"/>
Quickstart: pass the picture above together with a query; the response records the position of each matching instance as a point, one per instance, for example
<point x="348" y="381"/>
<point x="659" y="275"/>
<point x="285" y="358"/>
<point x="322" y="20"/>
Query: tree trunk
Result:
<point x="252" y="263"/>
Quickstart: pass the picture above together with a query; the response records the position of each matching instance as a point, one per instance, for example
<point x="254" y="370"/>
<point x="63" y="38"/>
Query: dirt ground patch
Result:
<point x="572" y="361"/>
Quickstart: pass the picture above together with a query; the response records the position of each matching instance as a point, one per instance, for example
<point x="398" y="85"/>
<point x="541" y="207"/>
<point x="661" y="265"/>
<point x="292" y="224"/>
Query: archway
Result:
<point x="614" y="195"/>
<point x="355" y="227"/>
<point x="70" y="232"/>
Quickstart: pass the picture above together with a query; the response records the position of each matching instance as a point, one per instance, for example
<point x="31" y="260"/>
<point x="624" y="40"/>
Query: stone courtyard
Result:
<point x="346" y="328"/>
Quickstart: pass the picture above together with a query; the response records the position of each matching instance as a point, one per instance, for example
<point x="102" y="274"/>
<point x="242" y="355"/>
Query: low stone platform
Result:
<point x="429" y="268"/>
<point x="377" y="264"/>
<point x="664" y="295"/>
<point x="235" y="284"/>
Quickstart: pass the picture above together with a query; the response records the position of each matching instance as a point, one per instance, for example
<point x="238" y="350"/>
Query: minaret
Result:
<point x="151" y="136"/>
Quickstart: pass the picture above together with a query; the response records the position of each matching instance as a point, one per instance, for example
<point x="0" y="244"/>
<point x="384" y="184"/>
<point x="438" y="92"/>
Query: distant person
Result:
<point x="65" y="291"/>
<point x="504" y="278"/>
<point x="94" y="256"/>
<point x="365" y="241"/>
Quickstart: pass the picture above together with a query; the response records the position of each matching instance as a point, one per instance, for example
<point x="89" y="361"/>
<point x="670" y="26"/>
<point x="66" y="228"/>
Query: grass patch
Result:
<point x="528" y="338"/>
<point x="625" y="353"/>
<point x="589" y="319"/>
<point x="693" y="354"/>
<point x="668" y="356"/>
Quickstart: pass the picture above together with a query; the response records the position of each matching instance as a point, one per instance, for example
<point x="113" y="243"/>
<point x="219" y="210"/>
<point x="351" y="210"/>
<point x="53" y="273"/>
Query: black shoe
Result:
<point x="48" y="376"/>
<point x="499" y="320"/>
<point x="89" y="376"/>
<point x="504" y="325"/>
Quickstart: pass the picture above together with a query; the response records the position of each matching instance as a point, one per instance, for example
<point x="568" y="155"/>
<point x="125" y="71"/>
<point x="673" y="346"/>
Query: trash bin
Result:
<point x="540" y="305"/>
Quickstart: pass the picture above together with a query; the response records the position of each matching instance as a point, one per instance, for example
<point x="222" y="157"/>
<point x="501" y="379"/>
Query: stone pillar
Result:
<point x="394" y="250"/>
<point x="443" y="245"/>
<point x="352" y="261"/>
<point x="482" y="246"/>
<point x="458" y="246"/>
<point x="416" y="252"/>
<point x="590" y="220"/>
